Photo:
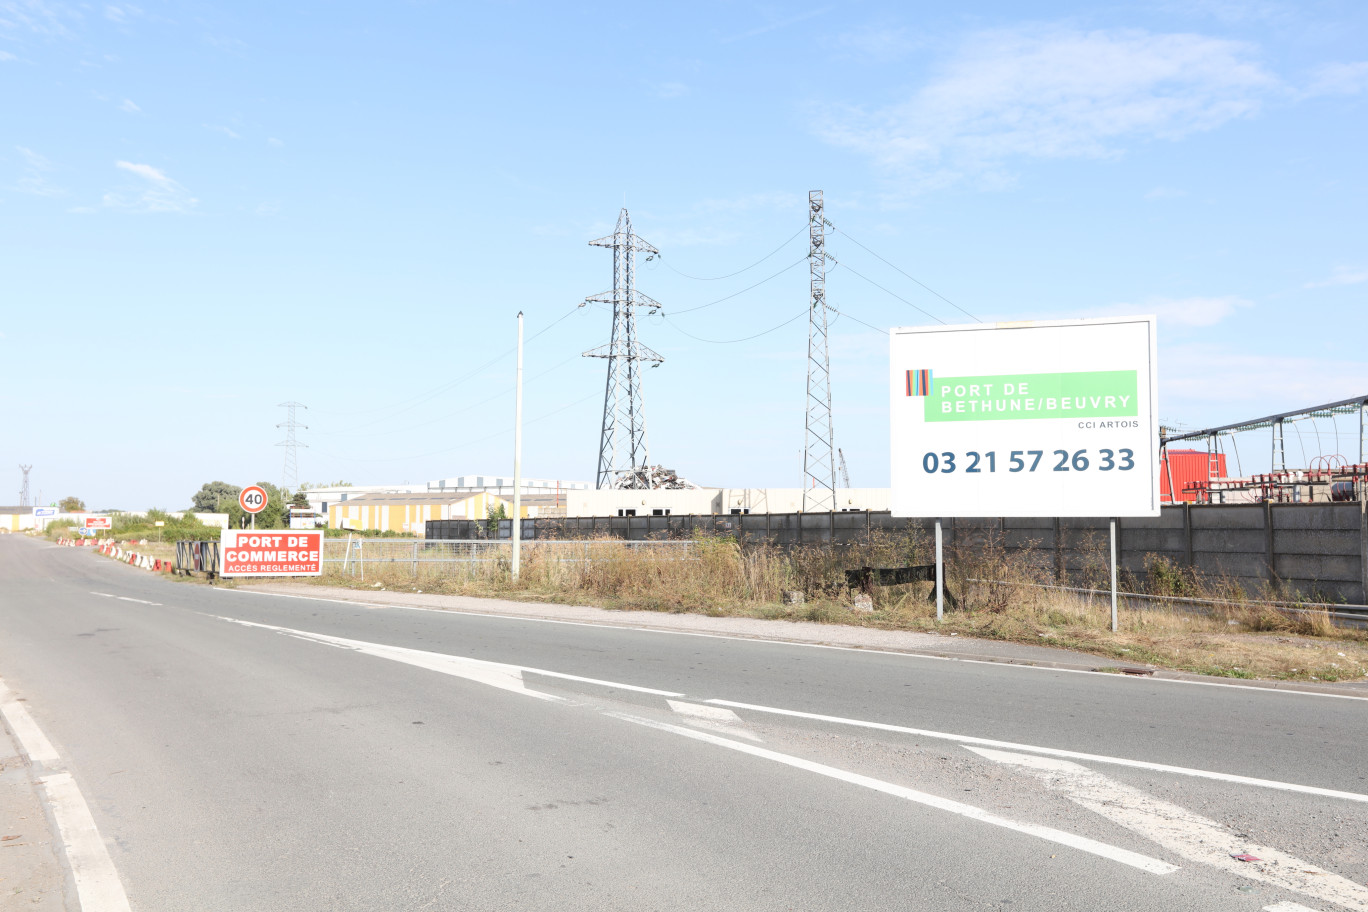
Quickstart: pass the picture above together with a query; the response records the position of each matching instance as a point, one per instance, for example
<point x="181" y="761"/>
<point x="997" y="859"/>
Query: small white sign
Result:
<point x="1051" y="418"/>
<point x="44" y="511"/>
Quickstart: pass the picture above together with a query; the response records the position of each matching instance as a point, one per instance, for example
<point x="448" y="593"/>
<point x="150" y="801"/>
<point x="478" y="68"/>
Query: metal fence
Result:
<point x="426" y="557"/>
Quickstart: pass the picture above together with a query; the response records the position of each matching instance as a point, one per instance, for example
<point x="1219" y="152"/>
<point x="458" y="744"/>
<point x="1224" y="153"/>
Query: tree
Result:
<point x="214" y="497"/>
<point x="71" y="505"/>
<point x="492" y="516"/>
<point x="300" y="500"/>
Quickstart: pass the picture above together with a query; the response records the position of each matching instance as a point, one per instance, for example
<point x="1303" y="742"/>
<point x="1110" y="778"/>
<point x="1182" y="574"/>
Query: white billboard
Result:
<point x="1054" y="418"/>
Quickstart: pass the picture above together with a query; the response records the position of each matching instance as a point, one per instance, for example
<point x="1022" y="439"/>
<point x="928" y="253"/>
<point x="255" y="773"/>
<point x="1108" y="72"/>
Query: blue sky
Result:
<point x="208" y="209"/>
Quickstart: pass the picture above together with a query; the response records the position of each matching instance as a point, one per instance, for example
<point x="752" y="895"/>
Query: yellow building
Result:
<point x="409" y="512"/>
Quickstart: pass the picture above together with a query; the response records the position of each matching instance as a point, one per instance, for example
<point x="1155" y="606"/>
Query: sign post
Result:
<point x="1049" y="418"/>
<point x="252" y="499"/>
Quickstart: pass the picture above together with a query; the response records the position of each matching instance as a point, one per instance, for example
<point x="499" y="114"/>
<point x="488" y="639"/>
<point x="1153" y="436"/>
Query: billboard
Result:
<point x="98" y="522"/>
<point x="278" y="552"/>
<point x="1049" y="418"/>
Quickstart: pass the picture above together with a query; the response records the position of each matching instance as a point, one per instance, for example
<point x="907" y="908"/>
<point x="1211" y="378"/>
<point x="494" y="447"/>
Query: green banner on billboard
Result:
<point x="1016" y="397"/>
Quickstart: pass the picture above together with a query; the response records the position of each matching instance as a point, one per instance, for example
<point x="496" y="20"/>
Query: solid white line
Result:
<point x="1053" y="752"/>
<point x="713" y="717"/>
<point x="781" y="642"/>
<point x="97" y="882"/>
<point x="1082" y="843"/>
<point x="31" y="738"/>
<point x="499" y="674"/>
<point x="1184" y="833"/>
<point x="124" y="598"/>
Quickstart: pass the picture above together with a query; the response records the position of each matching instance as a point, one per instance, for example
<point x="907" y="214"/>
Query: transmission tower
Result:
<point x="24" y="491"/>
<point x="289" y="477"/>
<point x="622" y="440"/>
<point x="819" y="464"/>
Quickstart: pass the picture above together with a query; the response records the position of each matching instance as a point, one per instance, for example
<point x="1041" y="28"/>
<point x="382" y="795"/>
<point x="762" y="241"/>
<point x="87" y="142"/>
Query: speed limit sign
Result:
<point x="252" y="499"/>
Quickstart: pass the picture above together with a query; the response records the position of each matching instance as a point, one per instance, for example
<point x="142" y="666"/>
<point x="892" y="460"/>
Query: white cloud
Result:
<point x="6" y="56"/>
<point x="34" y="179"/>
<point x="1057" y="93"/>
<point x="1339" y="79"/>
<point x="879" y="44"/>
<point x="121" y="14"/>
<point x="777" y="24"/>
<point x="226" y="131"/>
<point x="158" y="193"/>
<point x="38" y="17"/>
<point x="1203" y="373"/>
<point x="1186" y="312"/>
<point x="1341" y="276"/>
<point x="129" y="107"/>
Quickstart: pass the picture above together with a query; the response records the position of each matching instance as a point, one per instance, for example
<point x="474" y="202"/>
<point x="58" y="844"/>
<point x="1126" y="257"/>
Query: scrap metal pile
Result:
<point x="652" y="477"/>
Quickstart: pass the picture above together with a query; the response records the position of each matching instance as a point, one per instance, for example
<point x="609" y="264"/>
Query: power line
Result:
<point x="848" y="315"/>
<point x="291" y="471"/>
<point x="741" y="292"/>
<point x="932" y="316"/>
<point x="730" y="274"/>
<point x="798" y="316"/>
<point x="912" y="277"/>
<point x="424" y="396"/>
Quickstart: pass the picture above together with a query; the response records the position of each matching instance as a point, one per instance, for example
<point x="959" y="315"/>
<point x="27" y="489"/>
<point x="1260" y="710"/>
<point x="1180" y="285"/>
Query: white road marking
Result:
<point x="103" y="594"/>
<point x="1054" y="752"/>
<point x="97" y="882"/>
<point x="780" y="642"/>
<point x="497" y="674"/>
<point x="1286" y="907"/>
<point x="31" y="738"/>
<point x="713" y="717"/>
<point x="1082" y="843"/>
<point x="124" y="598"/>
<point x="1184" y="833"/>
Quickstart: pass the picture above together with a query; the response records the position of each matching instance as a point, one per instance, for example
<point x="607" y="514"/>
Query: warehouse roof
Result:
<point x="450" y="497"/>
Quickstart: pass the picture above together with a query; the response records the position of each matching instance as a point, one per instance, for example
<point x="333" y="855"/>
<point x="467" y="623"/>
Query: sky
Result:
<point x="208" y="209"/>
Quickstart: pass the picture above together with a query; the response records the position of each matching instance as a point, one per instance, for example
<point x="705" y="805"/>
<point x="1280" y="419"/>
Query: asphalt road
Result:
<point x="246" y="751"/>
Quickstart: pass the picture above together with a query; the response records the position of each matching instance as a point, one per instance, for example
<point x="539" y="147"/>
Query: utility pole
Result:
<point x="24" y="491"/>
<point x="289" y="476"/>
<point x="622" y="436"/>
<point x="517" y="458"/>
<point x="819" y="464"/>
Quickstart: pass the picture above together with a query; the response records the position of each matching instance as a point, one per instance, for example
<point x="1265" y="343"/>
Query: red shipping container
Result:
<point x="1186" y="467"/>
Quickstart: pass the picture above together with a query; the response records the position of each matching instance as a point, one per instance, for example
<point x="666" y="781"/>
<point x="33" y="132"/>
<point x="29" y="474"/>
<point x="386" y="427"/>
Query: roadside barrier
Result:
<point x="197" y="557"/>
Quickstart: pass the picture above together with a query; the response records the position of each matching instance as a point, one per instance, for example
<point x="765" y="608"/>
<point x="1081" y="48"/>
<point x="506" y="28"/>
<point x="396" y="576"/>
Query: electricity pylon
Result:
<point x="289" y="476"/>
<point x="819" y="464"/>
<point x="622" y="437"/>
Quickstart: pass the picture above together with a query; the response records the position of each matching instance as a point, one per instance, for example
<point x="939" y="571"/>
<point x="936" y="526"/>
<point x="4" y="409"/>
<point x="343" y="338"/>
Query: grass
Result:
<point x="721" y="578"/>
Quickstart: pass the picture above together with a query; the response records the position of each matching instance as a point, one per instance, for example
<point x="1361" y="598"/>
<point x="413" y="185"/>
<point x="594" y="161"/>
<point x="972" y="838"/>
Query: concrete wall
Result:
<point x="1319" y="550"/>
<point x="704" y="501"/>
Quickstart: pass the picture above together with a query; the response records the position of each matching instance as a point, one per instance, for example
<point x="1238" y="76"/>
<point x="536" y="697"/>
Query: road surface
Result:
<point x="244" y="751"/>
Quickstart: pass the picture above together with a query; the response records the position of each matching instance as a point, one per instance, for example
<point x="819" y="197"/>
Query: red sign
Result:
<point x="99" y="522"/>
<point x="278" y="552"/>
<point x="252" y="499"/>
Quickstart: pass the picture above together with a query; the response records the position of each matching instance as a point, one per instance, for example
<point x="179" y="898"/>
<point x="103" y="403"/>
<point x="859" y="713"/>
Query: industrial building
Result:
<point x="408" y="512"/>
<point x="16" y="519"/>
<point x="322" y="499"/>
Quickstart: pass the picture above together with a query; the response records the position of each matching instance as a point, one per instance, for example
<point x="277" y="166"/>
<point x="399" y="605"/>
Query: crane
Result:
<point x="845" y="476"/>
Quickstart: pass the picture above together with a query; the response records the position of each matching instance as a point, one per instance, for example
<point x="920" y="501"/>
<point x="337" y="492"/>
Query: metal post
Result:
<point x="361" y="557"/>
<point x="940" y="574"/>
<point x="1113" y="574"/>
<point x="346" y="558"/>
<point x="415" y="558"/>
<point x="517" y="458"/>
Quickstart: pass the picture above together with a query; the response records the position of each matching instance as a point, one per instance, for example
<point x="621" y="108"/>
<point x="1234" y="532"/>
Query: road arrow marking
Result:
<point x="1182" y="832"/>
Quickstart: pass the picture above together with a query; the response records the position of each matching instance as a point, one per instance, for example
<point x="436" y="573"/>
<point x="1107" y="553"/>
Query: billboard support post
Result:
<point x="1113" y="574"/>
<point x="940" y="575"/>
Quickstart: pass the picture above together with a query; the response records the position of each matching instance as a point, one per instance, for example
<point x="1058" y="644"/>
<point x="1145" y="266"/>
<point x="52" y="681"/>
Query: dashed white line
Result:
<point x="1053" y="752"/>
<point x="35" y="744"/>
<point x="124" y="598"/>
<point x="97" y="882"/>
<point x="1184" y="833"/>
<point x="1287" y="907"/>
